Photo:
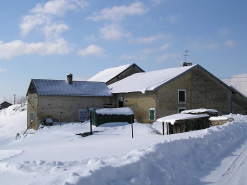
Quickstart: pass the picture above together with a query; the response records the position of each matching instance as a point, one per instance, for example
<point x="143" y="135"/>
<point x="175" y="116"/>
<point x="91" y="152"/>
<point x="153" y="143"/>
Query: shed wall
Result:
<point x="32" y="107"/>
<point x="139" y="104"/>
<point x="66" y="108"/>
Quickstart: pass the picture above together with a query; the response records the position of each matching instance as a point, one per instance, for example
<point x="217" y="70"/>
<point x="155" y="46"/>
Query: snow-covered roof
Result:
<point x="199" y="111"/>
<point x="174" y="117"/>
<point x="78" y="88"/>
<point x="108" y="74"/>
<point x="147" y="81"/>
<point x="221" y="118"/>
<point x="115" y="111"/>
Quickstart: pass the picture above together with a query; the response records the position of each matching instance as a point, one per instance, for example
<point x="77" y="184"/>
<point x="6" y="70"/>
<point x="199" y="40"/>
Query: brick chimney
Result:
<point x="70" y="78"/>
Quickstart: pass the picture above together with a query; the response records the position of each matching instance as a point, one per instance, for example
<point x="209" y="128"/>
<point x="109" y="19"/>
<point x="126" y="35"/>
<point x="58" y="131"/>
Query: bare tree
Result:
<point x="22" y="101"/>
<point x="8" y="99"/>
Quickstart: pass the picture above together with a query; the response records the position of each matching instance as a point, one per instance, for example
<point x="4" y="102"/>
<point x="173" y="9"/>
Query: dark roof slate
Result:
<point x="78" y="88"/>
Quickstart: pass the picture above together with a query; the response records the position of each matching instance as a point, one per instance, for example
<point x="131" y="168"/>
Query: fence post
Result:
<point x="132" y="127"/>
<point x="163" y="128"/>
<point x="167" y="128"/>
<point x="91" y="129"/>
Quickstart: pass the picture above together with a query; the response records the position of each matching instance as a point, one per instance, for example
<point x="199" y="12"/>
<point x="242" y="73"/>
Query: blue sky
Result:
<point x="49" y="39"/>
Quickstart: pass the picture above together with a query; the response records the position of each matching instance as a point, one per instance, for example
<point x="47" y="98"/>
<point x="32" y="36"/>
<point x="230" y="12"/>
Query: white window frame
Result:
<point x="181" y="108"/>
<point x="181" y="102"/>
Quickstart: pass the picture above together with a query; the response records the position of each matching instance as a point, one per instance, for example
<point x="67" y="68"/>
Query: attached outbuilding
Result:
<point x="108" y="115"/>
<point x="64" y="101"/>
<point x="179" y="123"/>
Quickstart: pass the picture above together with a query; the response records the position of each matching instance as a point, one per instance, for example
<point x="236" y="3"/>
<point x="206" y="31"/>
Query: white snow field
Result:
<point x="55" y="155"/>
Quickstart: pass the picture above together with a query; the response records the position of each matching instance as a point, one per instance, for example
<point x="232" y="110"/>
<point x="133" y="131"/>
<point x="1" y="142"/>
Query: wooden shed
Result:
<point x="179" y="123"/>
<point x="5" y="105"/>
<point x="108" y="115"/>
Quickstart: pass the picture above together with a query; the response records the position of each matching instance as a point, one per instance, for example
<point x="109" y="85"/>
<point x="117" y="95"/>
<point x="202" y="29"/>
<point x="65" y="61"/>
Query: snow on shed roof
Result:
<point x="147" y="81"/>
<point x="115" y="111"/>
<point x="78" y="88"/>
<point x="198" y="111"/>
<point x="108" y="74"/>
<point x="174" y="117"/>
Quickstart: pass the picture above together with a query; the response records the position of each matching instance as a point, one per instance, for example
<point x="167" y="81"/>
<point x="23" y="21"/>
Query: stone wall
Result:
<point x="32" y="107"/>
<point x="239" y="104"/>
<point x="139" y="104"/>
<point x="62" y="108"/>
<point x="66" y="108"/>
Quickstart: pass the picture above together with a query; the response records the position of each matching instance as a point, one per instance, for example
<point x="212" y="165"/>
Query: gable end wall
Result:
<point x="130" y="71"/>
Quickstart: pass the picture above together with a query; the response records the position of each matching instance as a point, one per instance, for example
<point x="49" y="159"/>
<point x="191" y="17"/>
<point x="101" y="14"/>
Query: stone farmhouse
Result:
<point x="150" y="95"/>
<point x="156" y="94"/>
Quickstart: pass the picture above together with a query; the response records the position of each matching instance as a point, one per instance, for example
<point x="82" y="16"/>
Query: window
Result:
<point x="151" y="114"/>
<point x="180" y="109"/>
<point x="31" y="117"/>
<point x="181" y="96"/>
<point x="83" y="115"/>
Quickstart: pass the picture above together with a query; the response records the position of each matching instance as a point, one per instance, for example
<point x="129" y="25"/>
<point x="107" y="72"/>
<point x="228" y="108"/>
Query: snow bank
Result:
<point x="4" y="154"/>
<point x="169" y="162"/>
<point x="55" y="155"/>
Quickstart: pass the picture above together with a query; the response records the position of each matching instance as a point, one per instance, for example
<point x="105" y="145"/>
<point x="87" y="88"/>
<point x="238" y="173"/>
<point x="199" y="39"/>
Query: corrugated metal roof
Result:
<point x="78" y="88"/>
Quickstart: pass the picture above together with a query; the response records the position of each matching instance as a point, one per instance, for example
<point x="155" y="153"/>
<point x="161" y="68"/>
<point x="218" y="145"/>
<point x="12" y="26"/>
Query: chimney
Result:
<point x="187" y="64"/>
<point x="70" y="79"/>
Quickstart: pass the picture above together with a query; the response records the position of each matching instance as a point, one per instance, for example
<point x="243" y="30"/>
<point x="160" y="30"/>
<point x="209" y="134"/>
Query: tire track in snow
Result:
<point x="236" y="163"/>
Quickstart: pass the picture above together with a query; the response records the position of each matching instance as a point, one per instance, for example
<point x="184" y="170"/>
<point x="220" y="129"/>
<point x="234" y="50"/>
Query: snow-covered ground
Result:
<point x="55" y="155"/>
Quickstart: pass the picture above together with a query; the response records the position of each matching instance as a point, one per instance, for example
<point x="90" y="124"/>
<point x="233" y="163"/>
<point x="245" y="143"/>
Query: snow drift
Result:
<point x="55" y="155"/>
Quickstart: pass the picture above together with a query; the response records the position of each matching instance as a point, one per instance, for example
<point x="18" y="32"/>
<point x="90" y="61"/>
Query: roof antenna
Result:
<point x="185" y="57"/>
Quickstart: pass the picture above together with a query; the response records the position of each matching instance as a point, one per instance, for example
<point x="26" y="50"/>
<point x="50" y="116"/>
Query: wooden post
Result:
<point x="167" y="128"/>
<point x="132" y="127"/>
<point x="163" y="128"/>
<point x="91" y="128"/>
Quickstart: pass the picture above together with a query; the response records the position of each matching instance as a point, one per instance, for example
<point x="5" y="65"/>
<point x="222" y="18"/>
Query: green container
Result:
<point x="99" y="119"/>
